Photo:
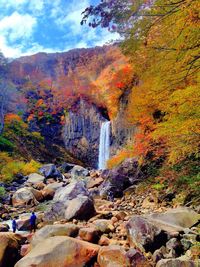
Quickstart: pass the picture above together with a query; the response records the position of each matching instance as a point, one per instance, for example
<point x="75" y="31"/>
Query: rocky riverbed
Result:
<point x="101" y="219"/>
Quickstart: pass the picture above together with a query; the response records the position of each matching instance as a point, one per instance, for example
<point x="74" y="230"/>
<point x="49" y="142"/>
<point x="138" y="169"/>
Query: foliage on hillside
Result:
<point x="10" y="167"/>
<point x="162" y="42"/>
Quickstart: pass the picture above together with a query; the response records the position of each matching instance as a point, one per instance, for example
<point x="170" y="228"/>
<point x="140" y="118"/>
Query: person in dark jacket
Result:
<point x="33" y="219"/>
<point x="14" y="225"/>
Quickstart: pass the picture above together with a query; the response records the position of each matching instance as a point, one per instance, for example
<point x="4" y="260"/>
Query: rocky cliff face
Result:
<point x="82" y="130"/>
<point x="122" y="131"/>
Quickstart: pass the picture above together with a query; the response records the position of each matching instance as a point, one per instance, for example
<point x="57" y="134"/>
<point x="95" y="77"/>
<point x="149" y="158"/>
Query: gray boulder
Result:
<point x="47" y="231"/>
<point x="81" y="208"/>
<point x="78" y="172"/>
<point x="35" y="178"/>
<point x="50" y="171"/>
<point x="71" y="191"/>
<point x="144" y="235"/>
<point x="178" y="262"/>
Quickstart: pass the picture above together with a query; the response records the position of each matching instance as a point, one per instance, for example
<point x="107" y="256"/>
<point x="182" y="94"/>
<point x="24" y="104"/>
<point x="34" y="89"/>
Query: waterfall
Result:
<point x="104" y="145"/>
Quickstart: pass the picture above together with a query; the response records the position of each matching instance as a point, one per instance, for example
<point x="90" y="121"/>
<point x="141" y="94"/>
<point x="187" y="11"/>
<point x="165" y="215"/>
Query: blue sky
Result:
<point x="31" y="26"/>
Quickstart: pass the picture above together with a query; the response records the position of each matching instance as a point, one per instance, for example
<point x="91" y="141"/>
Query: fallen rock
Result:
<point x="89" y="234"/>
<point x="136" y="258"/>
<point x="178" y="262"/>
<point x="113" y="256"/>
<point x="9" y="249"/>
<point x="104" y="241"/>
<point x="4" y="227"/>
<point x="35" y="178"/>
<point x="25" y="249"/>
<point x="71" y="191"/>
<point x="81" y="208"/>
<point x="94" y="182"/>
<point x="78" y="172"/>
<point x="104" y="226"/>
<point x="23" y="197"/>
<point x="60" y="251"/>
<point x="174" y="220"/>
<point x="47" y="231"/>
<point x="144" y="235"/>
<point x="50" y="171"/>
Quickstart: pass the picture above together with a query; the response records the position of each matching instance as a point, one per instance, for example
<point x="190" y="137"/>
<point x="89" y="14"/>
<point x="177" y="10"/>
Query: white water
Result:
<point x="104" y="145"/>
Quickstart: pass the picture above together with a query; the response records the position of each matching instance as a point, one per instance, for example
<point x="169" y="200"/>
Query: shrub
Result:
<point x="6" y="145"/>
<point x="119" y="158"/>
<point x="9" y="167"/>
<point x="158" y="186"/>
<point x="30" y="167"/>
<point x="2" y="191"/>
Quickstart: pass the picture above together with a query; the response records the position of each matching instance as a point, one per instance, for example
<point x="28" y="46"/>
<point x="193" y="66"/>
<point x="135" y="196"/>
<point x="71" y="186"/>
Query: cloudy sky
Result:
<point x="31" y="26"/>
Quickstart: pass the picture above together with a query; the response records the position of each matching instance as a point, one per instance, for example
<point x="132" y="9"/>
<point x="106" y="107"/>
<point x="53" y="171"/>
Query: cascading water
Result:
<point x="104" y="145"/>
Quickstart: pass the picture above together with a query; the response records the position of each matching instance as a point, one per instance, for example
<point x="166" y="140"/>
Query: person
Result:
<point x="33" y="219"/>
<point x="14" y="225"/>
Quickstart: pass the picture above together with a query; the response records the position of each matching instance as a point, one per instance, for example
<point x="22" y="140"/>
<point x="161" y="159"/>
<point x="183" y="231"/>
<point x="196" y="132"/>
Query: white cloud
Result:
<point x="12" y="3"/>
<point x="17" y="26"/>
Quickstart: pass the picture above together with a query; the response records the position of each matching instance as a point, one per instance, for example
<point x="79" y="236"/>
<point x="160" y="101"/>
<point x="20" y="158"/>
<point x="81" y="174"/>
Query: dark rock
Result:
<point x="82" y="130"/>
<point x="144" y="235"/>
<point x="159" y="254"/>
<point x="120" y="178"/>
<point x="66" y="167"/>
<point x="50" y="171"/>
<point x="79" y="172"/>
<point x="55" y="212"/>
<point x="175" y="246"/>
<point x="136" y="258"/>
<point x="9" y="249"/>
<point x="4" y="227"/>
<point x="89" y="234"/>
<point x="81" y="207"/>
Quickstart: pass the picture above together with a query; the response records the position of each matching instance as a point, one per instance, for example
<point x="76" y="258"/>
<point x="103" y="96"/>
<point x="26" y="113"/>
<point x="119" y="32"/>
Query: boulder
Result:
<point x="47" y="231"/>
<point x="103" y="225"/>
<point x="23" y="224"/>
<point x="144" y="235"/>
<point x="78" y="172"/>
<point x="37" y="194"/>
<point x="60" y="251"/>
<point x="104" y="241"/>
<point x="4" y="227"/>
<point x="23" y="197"/>
<point x="178" y="262"/>
<point x="94" y="182"/>
<point x="50" y="171"/>
<point x="3" y="209"/>
<point x="25" y="249"/>
<point x="136" y="258"/>
<point x="175" y="220"/>
<point x="49" y="190"/>
<point x="71" y="202"/>
<point x="89" y="234"/>
<point x="71" y="191"/>
<point x="55" y="212"/>
<point x="66" y="167"/>
<point x="35" y="178"/>
<point x="120" y="178"/>
<point x="9" y="249"/>
<point x="113" y="256"/>
<point x="81" y="208"/>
